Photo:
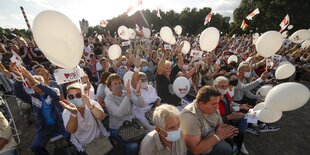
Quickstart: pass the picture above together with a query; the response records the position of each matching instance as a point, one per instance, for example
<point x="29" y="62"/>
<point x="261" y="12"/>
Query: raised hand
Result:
<point x="128" y="91"/>
<point x="69" y="106"/>
<point x="86" y="100"/>
<point x="138" y="87"/>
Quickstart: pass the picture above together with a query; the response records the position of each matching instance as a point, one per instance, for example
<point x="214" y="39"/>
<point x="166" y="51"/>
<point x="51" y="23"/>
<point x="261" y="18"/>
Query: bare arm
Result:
<point x="161" y="65"/>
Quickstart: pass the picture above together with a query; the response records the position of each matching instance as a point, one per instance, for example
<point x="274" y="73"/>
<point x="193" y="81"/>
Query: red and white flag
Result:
<point x="134" y="8"/>
<point x="104" y="23"/>
<point x="285" y="22"/>
<point x="208" y="18"/>
<point x="158" y="13"/>
<point x="252" y="14"/>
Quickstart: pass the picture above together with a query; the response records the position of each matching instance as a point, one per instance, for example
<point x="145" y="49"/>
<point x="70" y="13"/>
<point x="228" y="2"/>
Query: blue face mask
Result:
<point x="77" y="102"/>
<point x="145" y="68"/>
<point x="173" y="136"/>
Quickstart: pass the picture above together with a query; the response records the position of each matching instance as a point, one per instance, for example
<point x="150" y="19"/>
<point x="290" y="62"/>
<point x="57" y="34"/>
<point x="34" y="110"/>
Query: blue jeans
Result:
<point x="10" y="152"/>
<point x="130" y="148"/>
<point x="42" y="137"/>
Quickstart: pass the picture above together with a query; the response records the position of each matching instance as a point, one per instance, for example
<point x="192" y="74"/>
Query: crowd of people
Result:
<point x="210" y="119"/>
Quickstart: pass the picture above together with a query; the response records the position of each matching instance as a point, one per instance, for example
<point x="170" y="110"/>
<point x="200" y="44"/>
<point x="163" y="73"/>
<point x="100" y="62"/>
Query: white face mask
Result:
<point x="173" y="136"/>
<point x="223" y="91"/>
<point x="247" y="74"/>
<point x="232" y="92"/>
<point x="144" y="85"/>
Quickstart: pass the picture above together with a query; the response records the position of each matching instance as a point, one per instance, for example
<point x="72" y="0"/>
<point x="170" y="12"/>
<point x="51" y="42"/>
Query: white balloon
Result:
<point x="305" y="44"/>
<point x="166" y="34"/>
<point x="114" y="52"/>
<point x="263" y="91"/>
<point x="290" y="27"/>
<point x="232" y="58"/>
<point x="269" y="43"/>
<point x="123" y="32"/>
<point x="186" y="47"/>
<point x="254" y="41"/>
<point x="284" y="34"/>
<point x="259" y="106"/>
<point x="59" y="39"/>
<point x="178" y="29"/>
<point x="287" y="96"/>
<point x="209" y="39"/>
<point x="255" y="36"/>
<point x="300" y="36"/>
<point x="127" y="76"/>
<point x="132" y="33"/>
<point x="172" y="41"/>
<point x="146" y="32"/>
<point x="269" y="116"/>
<point x="285" y="71"/>
<point x="181" y="86"/>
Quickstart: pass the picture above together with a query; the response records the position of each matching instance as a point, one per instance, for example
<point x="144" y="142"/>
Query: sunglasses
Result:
<point x="72" y="96"/>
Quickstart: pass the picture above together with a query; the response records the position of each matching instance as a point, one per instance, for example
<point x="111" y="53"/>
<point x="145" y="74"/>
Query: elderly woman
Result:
<point x="149" y="98"/>
<point x="230" y="116"/>
<point x="81" y="117"/>
<point x="120" y="109"/>
<point x="167" y="136"/>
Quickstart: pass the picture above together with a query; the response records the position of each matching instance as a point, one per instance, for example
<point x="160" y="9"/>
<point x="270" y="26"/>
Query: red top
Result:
<point x="222" y="108"/>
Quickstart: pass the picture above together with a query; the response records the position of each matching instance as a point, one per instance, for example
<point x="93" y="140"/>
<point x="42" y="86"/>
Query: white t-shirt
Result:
<point x="101" y="91"/>
<point x="87" y="129"/>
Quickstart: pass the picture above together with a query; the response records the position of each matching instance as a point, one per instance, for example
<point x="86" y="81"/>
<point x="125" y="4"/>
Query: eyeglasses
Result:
<point x="72" y="96"/>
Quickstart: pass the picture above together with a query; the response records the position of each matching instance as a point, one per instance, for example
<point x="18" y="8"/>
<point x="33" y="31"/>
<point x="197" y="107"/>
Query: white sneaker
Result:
<point x="243" y="149"/>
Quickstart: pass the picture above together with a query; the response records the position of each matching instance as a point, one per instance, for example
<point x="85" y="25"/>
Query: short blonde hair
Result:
<point x="162" y="113"/>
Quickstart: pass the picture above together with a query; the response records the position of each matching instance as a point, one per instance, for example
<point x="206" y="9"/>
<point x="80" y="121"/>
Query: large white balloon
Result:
<point x="114" y="52"/>
<point x="132" y="33"/>
<point x="259" y="106"/>
<point x="123" y="32"/>
<point x="209" y="39"/>
<point x="58" y="38"/>
<point x="166" y="34"/>
<point x="285" y="71"/>
<point x="186" y="47"/>
<point x="269" y="43"/>
<point x="127" y="76"/>
<point x="178" y="29"/>
<point x="263" y="91"/>
<point x="181" y="86"/>
<point x="146" y="32"/>
<point x="172" y="41"/>
<point x="305" y="44"/>
<point x="269" y="116"/>
<point x="287" y="96"/>
<point x="232" y="58"/>
<point x="300" y="36"/>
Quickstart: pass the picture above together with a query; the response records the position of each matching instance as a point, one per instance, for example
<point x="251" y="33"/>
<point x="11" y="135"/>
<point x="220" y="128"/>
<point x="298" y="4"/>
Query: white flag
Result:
<point x="67" y="75"/>
<point x="252" y="14"/>
<point x="133" y="9"/>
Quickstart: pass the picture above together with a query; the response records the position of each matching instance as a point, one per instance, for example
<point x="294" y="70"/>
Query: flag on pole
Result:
<point x="134" y="8"/>
<point x="285" y="22"/>
<point x="158" y="13"/>
<point x="208" y="18"/>
<point x="252" y="14"/>
<point x="137" y="28"/>
<point x="244" y="26"/>
<point x="104" y="23"/>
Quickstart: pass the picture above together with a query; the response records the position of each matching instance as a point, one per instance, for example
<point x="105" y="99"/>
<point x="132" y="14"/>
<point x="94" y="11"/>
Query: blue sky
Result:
<point x="96" y="10"/>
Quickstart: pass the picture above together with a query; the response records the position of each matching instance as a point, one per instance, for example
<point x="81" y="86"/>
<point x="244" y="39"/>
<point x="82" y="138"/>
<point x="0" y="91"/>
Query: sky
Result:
<point x="96" y="10"/>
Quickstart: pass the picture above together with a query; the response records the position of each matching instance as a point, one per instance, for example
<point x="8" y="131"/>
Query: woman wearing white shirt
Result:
<point x="101" y="90"/>
<point x="80" y="117"/>
<point x="149" y="98"/>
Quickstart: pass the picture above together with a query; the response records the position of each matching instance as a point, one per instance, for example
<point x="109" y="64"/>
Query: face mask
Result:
<point x="223" y="91"/>
<point x="77" y="102"/>
<point x="173" y="136"/>
<point x="144" y="85"/>
<point x="145" y="68"/>
<point x="247" y="74"/>
<point x="124" y="62"/>
<point x="234" y="83"/>
<point x="119" y="88"/>
<point x="232" y="92"/>
<point x="82" y="65"/>
<point x="185" y="67"/>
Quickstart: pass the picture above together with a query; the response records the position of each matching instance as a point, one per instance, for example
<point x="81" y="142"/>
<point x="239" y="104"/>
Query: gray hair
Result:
<point x="218" y="80"/>
<point x="162" y="113"/>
